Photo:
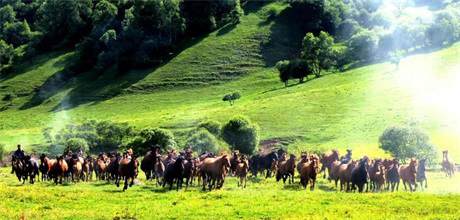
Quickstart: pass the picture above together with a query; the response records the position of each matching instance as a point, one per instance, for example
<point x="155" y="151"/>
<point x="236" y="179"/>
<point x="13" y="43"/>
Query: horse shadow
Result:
<point x="293" y="187"/>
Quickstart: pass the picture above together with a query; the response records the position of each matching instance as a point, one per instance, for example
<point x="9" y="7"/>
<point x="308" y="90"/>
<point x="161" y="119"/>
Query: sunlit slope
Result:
<point x="340" y="110"/>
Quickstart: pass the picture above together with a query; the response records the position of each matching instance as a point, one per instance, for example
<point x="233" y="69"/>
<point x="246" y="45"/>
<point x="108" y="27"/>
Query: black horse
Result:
<point x="261" y="163"/>
<point x="420" y="176"/>
<point x="31" y="168"/>
<point x="359" y="175"/>
<point x="393" y="178"/>
<point x="174" y="173"/>
<point x="189" y="167"/>
<point x="19" y="168"/>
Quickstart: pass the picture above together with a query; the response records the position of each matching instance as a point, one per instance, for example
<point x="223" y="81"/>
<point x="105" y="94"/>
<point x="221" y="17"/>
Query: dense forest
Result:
<point x="127" y="34"/>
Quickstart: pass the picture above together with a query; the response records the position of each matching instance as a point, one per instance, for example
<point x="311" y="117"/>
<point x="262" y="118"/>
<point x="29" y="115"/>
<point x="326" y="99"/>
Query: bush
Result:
<point x="75" y="144"/>
<point x="202" y="140"/>
<point x="212" y="126"/>
<point x="407" y="142"/>
<point x="231" y="98"/>
<point x="153" y="136"/>
<point x="241" y="134"/>
<point x="363" y="45"/>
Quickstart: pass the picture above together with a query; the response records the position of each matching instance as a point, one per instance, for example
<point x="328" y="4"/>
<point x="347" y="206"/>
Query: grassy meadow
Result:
<point x="262" y="199"/>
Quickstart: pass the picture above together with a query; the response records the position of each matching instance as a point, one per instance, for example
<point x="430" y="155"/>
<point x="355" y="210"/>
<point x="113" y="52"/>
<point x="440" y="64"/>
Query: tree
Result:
<point x="293" y="69"/>
<point x="203" y="141"/>
<point x="212" y="126"/>
<point x="318" y="52"/>
<point x="407" y="142"/>
<point x="151" y="137"/>
<point x="6" y="54"/>
<point x="241" y="134"/>
<point x="231" y="98"/>
<point x="75" y="144"/>
<point x="363" y="45"/>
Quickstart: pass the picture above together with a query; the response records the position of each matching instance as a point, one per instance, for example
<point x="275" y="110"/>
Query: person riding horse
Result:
<point x="18" y="155"/>
<point x="347" y="158"/>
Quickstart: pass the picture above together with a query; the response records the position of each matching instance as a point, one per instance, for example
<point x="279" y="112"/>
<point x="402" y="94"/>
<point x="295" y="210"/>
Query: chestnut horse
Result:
<point x="309" y="171"/>
<point x="77" y="170"/>
<point x="127" y="170"/>
<point x="303" y="160"/>
<point x="408" y="173"/>
<point x="242" y="169"/>
<point x="101" y="168"/>
<point x="59" y="169"/>
<point x="213" y="171"/>
<point x="88" y="168"/>
<point x="326" y="160"/>
<point x="45" y="167"/>
<point x="334" y="174"/>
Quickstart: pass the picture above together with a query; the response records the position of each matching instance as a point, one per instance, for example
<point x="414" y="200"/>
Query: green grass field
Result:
<point x="262" y="199"/>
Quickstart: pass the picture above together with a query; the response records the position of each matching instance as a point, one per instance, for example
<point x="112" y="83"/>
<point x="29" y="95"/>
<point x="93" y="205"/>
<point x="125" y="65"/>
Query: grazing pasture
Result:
<point x="262" y="198"/>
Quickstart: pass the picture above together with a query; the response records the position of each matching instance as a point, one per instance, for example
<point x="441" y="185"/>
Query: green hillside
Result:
<point x="338" y="110"/>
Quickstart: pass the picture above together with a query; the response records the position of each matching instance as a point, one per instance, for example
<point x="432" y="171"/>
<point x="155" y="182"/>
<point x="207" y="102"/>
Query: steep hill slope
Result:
<point x="340" y="110"/>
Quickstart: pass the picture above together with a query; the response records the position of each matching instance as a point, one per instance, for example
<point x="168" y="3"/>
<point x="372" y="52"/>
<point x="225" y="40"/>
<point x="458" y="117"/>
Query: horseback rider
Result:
<point x="18" y="155"/>
<point x="347" y="158"/>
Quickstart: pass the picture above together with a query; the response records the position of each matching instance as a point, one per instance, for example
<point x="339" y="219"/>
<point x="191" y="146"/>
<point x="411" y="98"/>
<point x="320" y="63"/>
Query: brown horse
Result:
<point x="59" y="170"/>
<point x="159" y="169"/>
<point x="376" y="175"/>
<point x="234" y="162"/>
<point x="45" y="167"/>
<point x="334" y="174"/>
<point x="408" y="173"/>
<point x="148" y="163"/>
<point x="213" y="171"/>
<point x="326" y="160"/>
<point x="88" y="168"/>
<point x="286" y="169"/>
<point x="303" y="160"/>
<point x="392" y="174"/>
<point x="344" y="174"/>
<point x="242" y="169"/>
<point x="127" y="170"/>
<point x="309" y="171"/>
<point x="77" y="170"/>
<point x="448" y="165"/>
<point x="101" y="168"/>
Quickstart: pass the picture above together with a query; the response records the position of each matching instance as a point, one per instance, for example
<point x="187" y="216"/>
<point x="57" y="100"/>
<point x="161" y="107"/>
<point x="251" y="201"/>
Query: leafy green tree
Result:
<point x="151" y="137"/>
<point x="212" y="126"/>
<point x="363" y="45"/>
<point x="64" y="21"/>
<point x="407" y="142"/>
<point x="203" y="141"/>
<point x="318" y="52"/>
<point x="241" y="134"/>
<point x="75" y="144"/>
<point x="293" y="69"/>
<point x="6" y="54"/>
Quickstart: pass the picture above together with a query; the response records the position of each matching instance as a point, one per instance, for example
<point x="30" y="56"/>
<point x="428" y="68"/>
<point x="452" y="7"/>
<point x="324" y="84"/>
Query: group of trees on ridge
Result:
<point x="339" y="33"/>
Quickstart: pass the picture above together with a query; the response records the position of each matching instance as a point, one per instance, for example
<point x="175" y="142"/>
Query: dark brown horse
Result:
<point x="326" y="160"/>
<point x="359" y="175"/>
<point x="234" y="162"/>
<point x="408" y="173"/>
<point x="127" y="170"/>
<point x="213" y="171"/>
<point x="303" y="160"/>
<point x="309" y="171"/>
<point x="148" y="163"/>
<point x="286" y="169"/>
<point x="19" y="168"/>
<point x="448" y="165"/>
<point x="344" y="174"/>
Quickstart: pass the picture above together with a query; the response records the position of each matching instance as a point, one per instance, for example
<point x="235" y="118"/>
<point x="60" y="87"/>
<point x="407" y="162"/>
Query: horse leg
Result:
<point x="404" y="183"/>
<point x="125" y="187"/>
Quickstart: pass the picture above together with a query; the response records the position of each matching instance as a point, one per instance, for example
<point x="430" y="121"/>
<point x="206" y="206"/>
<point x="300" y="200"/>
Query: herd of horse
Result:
<point x="210" y="171"/>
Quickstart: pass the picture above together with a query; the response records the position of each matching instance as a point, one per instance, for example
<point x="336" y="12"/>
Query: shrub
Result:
<point x="2" y="151"/>
<point x="202" y="140"/>
<point x="241" y="134"/>
<point x="231" y="97"/>
<point x="212" y="126"/>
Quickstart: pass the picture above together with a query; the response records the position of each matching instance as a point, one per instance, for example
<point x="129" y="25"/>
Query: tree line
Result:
<point x="107" y="33"/>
